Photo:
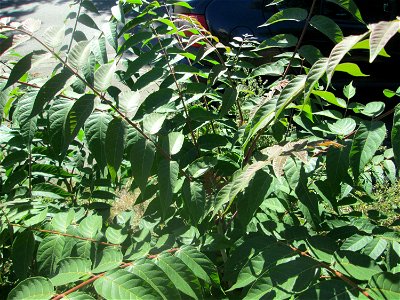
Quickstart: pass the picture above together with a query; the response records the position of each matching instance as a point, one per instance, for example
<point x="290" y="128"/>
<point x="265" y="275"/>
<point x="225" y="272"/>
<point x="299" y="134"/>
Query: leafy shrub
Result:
<point x="237" y="193"/>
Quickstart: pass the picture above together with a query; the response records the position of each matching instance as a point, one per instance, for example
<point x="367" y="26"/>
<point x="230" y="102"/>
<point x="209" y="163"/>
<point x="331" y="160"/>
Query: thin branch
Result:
<point x="65" y="234"/>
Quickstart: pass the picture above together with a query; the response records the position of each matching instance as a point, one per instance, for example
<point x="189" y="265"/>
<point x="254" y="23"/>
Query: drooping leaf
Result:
<point x="339" y="51"/>
<point x="88" y="21"/>
<point x="292" y="14"/>
<point x="328" y="27"/>
<point x="228" y="100"/>
<point x="142" y="157"/>
<point x="19" y="69"/>
<point x="79" y="54"/>
<point x="316" y="72"/>
<point x="350" y="6"/>
<point x="23" y="249"/>
<point x="54" y="36"/>
<point x="129" y="102"/>
<point x="96" y="129"/>
<point x="194" y="200"/>
<point x="380" y="35"/>
<point x="114" y="147"/>
<point x="49" y="90"/>
<point x="395" y="135"/>
<point x="289" y="93"/>
<point x="168" y="172"/>
<point x="103" y="76"/>
<point x="367" y="140"/>
<point x="27" y="123"/>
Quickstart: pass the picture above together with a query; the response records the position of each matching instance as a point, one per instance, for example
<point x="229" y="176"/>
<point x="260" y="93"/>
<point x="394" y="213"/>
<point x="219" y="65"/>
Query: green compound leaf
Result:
<point x="32" y="288"/>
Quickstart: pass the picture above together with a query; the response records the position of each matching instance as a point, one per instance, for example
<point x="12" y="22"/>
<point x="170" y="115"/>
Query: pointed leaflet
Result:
<point x="54" y="36"/>
<point x="115" y="141"/>
<point x="95" y="133"/>
<point x="228" y="100"/>
<point x="339" y="51"/>
<point x="355" y="265"/>
<point x="87" y="21"/>
<point x="103" y="76"/>
<point x="153" y="275"/>
<point x="368" y="139"/>
<point x="71" y="269"/>
<point x="289" y="276"/>
<point x="381" y="33"/>
<point x="241" y="180"/>
<point x="110" y="32"/>
<point x="385" y="286"/>
<point x="22" y="253"/>
<point x="194" y="200"/>
<point x="395" y="135"/>
<point x="328" y="27"/>
<point x="26" y="122"/>
<point x="152" y="123"/>
<point x="350" y="6"/>
<point x="111" y="257"/>
<point x="49" y="253"/>
<point x="76" y="117"/>
<point x="32" y="288"/>
<point x="120" y="284"/>
<point x="179" y="274"/>
<point x="201" y="266"/>
<point x="317" y="70"/>
<point x="129" y="103"/>
<point x="292" y="14"/>
<point x="289" y="93"/>
<point x="49" y="90"/>
<point x="79" y="54"/>
<point x="168" y="172"/>
<point x="142" y="157"/>
<point x="57" y="115"/>
<point x="19" y="69"/>
<point x="3" y="102"/>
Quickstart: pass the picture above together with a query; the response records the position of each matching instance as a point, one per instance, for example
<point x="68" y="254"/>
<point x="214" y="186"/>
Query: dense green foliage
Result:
<point x="139" y="168"/>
